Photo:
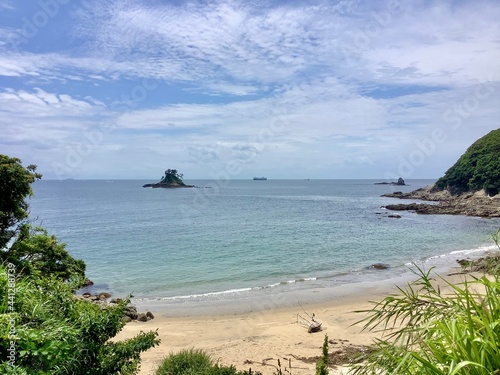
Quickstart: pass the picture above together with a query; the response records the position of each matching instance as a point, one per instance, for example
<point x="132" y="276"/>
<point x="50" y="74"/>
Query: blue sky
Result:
<point x="236" y="89"/>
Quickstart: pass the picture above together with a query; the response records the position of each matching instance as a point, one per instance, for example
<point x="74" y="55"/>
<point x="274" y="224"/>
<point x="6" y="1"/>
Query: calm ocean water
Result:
<point x="244" y="236"/>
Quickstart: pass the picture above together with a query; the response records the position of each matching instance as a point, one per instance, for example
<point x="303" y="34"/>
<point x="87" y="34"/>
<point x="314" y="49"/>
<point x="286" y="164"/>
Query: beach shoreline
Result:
<point x="311" y="291"/>
<point x="257" y="339"/>
<point x="255" y="302"/>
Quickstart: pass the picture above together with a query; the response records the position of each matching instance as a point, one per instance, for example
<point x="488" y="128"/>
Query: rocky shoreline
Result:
<point x="470" y="204"/>
<point x="101" y="300"/>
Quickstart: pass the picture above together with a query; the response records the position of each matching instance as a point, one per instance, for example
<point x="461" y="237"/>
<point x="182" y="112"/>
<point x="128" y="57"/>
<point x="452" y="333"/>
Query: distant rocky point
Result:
<point x="470" y="187"/>
<point x="470" y="204"/>
<point x="477" y="169"/>
<point x="172" y="179"/>
<point x="400" y="182"/>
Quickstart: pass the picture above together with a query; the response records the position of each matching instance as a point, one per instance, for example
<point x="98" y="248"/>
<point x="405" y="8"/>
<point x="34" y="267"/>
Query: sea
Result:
<point x="236" y="242"/>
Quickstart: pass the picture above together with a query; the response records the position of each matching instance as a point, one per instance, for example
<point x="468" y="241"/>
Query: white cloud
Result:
<point x="444" y="43"/>
<point x="39" y="123"/>
<point x="224" y="36"/>
<point x="224" y="45"/>
<point x="289" y="84"/>
<point x="43" y="104"/>
<point x="232" y="89"/>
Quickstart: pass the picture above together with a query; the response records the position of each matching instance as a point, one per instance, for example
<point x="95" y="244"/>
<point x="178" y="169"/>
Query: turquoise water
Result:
<point x="245" y="236"/>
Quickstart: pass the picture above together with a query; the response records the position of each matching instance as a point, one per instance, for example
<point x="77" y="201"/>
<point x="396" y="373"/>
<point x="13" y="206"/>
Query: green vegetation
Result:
<point x="15" y="185"/>
<point x="55" y="333"/>
<point x="429" y="332"/>
<point x="195" y="362"/>
<point x="31" y="251"/>
<point x="489" y="264"/>
<point x="172" y="177"/>
<point x="186" y="362"/>
<point x="478" y="168"/>
<point x="322" y="365"/>
<point x="44" y="327"/>
<point x="34" y="252"/>
<point x="495" y="237"/>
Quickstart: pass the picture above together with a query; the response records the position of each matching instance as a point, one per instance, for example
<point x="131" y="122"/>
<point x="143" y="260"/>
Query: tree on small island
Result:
<point x="171" y="179"/>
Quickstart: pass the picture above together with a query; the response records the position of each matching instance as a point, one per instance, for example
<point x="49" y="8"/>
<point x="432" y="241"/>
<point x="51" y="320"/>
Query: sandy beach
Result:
<point x="258" y="339"/>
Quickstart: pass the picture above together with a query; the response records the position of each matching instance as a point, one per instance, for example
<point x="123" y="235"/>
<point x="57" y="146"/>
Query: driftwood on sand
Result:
<point x="311" y="323"/>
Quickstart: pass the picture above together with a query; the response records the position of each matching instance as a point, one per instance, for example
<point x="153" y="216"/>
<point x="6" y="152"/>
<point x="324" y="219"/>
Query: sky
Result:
<point x="228" y="89"/>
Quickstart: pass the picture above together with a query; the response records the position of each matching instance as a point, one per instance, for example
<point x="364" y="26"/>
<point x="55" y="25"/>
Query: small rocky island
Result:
<point x="470" y="187"/>
<point x="172" y="179"/>
<point x="400" y="182"/>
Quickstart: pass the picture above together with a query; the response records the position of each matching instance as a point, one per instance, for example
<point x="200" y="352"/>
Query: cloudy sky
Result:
<point x="285" y="89"/>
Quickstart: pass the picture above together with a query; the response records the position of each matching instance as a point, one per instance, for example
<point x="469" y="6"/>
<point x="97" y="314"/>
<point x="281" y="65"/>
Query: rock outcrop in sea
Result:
<point x="171" y="179"/>
<point x="400" y="182"/>
<point x="470" y="204"/>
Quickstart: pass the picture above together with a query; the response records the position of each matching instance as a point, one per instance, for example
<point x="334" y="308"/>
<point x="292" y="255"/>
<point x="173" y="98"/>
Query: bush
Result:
<point x="227" y="370"/>
<point x="53" y="332"/>
<point x="195" y="362"/>
<point x="192" y="361"/>
<point x="428" y="332"/>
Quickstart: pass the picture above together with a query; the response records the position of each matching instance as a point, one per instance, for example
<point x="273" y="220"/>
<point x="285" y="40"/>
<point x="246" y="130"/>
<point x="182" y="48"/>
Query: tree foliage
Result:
<point x="44" y="328"/>
<point x="172" y="177"/>
<point x="35" y="252"/>
<point x="32" y="251"/>
<point x="478" y="168"/>
<point x="56" y="333"/>
<point x="15" y="187"/>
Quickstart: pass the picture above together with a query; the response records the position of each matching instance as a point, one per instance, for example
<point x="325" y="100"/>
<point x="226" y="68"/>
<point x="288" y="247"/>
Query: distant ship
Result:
<point x="260" y="178"/>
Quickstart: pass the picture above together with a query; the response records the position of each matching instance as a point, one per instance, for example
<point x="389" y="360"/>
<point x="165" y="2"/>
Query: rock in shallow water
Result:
<point x="379" y="266"/>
